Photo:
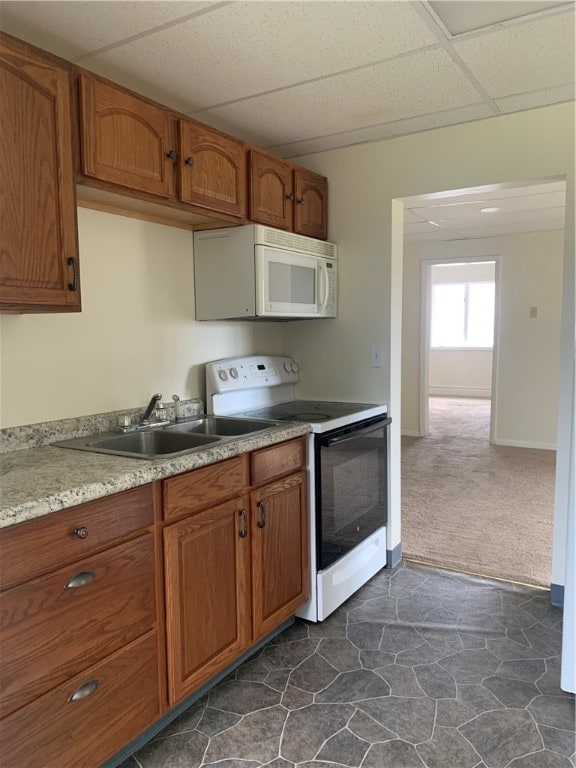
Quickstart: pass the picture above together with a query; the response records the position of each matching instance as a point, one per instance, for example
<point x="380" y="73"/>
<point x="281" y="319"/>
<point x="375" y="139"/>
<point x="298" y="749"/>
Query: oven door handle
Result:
<point x="350" y="434"/>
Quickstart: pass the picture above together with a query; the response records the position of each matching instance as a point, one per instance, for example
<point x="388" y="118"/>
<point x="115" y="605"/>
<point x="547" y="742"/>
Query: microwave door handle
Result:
<point x="324" y="273"/>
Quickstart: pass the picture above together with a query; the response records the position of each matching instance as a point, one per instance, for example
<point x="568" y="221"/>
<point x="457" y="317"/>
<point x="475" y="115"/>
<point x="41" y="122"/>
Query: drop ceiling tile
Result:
<point x="463" y="210"/>
<point x="523" y="57"/>
<point x="493" y="220"/>
<point x="460" y="18"/>
<point x="70" y="29"/>
<point x="380" y="94"/>
<point x="383" y="131"/>
<point x="247" y="48"/>
<point x="411" y="218"/>
<point x="522" y="101"/>
<point x="554" y="225"/>
<point x="420" y="227"/>
<point x="436" y="236"/>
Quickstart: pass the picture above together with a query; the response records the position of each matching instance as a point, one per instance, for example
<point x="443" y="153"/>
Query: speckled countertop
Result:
<point x="43" y="479"/>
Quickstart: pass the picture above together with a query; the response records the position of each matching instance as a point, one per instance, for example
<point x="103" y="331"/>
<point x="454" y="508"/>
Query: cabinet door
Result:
<point x="126" y="140"/>
<point x="271" y="193"/>
<point x="279" y="552"/>
<point x="207" y="580"/>
<point x="310" y="204"/>
<point x="38" y="241"/>
<point x="212" y="169"/>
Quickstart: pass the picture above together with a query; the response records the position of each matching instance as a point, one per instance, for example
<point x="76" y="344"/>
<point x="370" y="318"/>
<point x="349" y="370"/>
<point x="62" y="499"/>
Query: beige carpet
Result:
<point x="474" y="506"/>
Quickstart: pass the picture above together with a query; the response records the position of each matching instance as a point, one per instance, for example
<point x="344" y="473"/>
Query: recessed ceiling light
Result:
<point x="490" y="210"/>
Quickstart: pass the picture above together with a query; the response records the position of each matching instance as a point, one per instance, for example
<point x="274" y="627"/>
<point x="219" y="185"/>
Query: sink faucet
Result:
<point x="149" y="408"/>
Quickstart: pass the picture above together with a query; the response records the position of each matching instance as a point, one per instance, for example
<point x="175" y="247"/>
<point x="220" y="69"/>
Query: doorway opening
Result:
<point x="457" y="345"/>
<point x="483" y="505"/>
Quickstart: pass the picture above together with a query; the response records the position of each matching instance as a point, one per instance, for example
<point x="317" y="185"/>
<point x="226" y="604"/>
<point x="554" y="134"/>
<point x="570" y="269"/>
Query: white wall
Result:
<point x="136" y="334"/>
<point x="364" y="182"/>
<point x="527" y="350"/>
<point x="461" y="372"/>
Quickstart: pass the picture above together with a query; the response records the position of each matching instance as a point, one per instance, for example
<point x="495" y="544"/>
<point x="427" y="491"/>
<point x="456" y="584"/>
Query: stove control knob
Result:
<point x="294" y="368"/>
<point x="287" y="367"/>
<point x="233" y="372"/>
<point x="223" y="375"/>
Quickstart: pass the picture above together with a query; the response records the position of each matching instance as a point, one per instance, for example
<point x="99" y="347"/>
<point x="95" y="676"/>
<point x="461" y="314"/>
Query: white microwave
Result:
<point x="255" y="272"/>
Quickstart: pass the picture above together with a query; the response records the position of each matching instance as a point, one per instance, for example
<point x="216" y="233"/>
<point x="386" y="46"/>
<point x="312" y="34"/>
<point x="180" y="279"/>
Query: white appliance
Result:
<point x="347" y="470"/>
<point x="256" y="272"/>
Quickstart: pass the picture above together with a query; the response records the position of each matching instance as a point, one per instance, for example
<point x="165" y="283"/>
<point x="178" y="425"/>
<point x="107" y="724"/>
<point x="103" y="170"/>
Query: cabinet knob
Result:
<point x="81" y="579"/>
<point x="73" y="262"/>
<point x="171" y="155"/>
<point x="85" y="690"/>
<point x="262" y="517"/>
<point x="243" y="532"/>
<point x="290" y="196"/>
<point x="300" y="201"/>
<point x="81" y="533"/>
<point x="189" y="161"/>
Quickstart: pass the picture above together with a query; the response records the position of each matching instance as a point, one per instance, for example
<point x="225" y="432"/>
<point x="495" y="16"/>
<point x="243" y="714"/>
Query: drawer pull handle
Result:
<point x="243" y="532"/>
<point x="262" y="517"/>
<point x="85" y="690"/>
<point x="81" y="579"/>
<point x="81" y="533"/>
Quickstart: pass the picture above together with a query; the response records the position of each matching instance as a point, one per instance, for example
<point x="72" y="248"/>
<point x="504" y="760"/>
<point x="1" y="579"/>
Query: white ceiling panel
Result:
<point x="437" y="236"/>
<point x="302" y="76"/>
<point x="382" y="93"/>
<point x="248" y="48"/>
<point x="71" y="29"/>
<point x="523" y="57"/>
<point x="460" y="18"/>
<point x="511" y="229"/>
<point x="463" y="210"/>
<point x="522" y="101"/>
<point x="384" y="130"/>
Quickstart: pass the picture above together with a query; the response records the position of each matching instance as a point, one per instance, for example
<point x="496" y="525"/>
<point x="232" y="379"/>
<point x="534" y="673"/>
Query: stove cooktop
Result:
<point x="319" y="413"/>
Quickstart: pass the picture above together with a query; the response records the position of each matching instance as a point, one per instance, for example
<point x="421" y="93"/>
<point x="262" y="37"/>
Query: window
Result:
<point x="463" y="314"/>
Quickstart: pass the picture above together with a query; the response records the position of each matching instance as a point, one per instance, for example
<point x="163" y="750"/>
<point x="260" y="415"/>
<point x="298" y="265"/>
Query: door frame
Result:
<point x="425" y="332"/>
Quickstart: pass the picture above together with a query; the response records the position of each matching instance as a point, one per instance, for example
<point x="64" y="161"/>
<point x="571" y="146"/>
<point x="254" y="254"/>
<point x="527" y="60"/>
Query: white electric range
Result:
<point x="347" y="470"/>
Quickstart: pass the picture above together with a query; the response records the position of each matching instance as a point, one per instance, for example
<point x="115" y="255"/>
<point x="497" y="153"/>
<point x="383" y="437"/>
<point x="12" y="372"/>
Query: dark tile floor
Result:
<point x="422" y="668"/>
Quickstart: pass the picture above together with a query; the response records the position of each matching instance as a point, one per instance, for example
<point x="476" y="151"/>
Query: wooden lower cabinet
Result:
<point x="84" y="721"/>
<point x="207" y="576"/>
<point x="236" y="570"/>
<point x="279" y="552"/>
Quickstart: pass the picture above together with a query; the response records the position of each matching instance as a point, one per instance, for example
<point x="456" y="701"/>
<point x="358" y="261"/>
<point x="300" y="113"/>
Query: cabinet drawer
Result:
<point x="51" y="630"/>
<point x="278" y="460"/>
<point x="196" y="490"/>
<point x="54" y="732"/>
<point x="38" y="546"/>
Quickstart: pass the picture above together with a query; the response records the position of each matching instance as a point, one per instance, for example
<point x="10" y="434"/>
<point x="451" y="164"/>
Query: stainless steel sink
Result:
<point x="149" y="444"/>
<point x="222" y="426"/>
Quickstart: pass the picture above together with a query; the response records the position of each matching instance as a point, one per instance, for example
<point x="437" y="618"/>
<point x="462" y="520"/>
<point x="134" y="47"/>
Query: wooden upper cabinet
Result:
<point x="126" y="140"/>
<point x="38" y="236"/>
<point x="287" y="196"/>
<point x="310" y="204"/>
<point x="271" y="190"/>
<point x="212" y="169"/>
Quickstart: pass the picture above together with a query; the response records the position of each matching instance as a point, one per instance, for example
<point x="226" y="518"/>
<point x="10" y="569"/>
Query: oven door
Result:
<point x="351" y="486"/>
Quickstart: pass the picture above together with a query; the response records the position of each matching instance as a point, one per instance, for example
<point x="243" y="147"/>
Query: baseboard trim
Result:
<point x="410" y="433"/>
<point x="557" y="595"/>
<point x="460" y="391"/>
<point x="522" y="444"/>
<point x="394" y="556"/>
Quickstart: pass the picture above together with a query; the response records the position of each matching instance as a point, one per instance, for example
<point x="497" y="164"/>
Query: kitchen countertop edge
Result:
<point x="38" y="481"/>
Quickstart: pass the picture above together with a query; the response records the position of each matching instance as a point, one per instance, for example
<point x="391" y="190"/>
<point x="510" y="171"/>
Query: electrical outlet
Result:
<point x="376" y="355"/>
<point x="533" y="312"/>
